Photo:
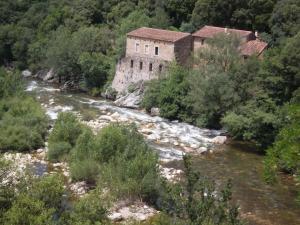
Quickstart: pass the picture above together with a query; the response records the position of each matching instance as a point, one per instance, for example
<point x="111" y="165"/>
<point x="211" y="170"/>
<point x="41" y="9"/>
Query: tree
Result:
<point x="285" y="20"/>
<point x="284" y="154"/>
<point x="212" y="92"/>
<point x="95" y="68"/>
<point x="280" y="73"/>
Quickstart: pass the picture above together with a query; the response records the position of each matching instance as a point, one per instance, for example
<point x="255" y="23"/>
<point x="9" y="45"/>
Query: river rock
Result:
<point x="130" y="100"/>
<point x="154" y="112"/>
<point x="136" y="211"/>
<point x="26" y="73"/>
<point x="115" y="217"/>
<point x="50" y="75"/>
<point x="170" y="174"/>
<point x="79" y="188"/>
<point x="219" y="140"/>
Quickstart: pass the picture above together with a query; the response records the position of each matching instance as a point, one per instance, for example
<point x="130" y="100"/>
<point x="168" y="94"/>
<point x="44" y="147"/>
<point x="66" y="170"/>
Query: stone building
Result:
<point x="149" y="51"/>
<point x="250" y="43"/>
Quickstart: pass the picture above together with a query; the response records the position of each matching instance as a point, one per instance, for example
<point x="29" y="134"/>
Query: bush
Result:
<point x="63" y="138"/>
<point x="50" y="190"/>
<point x="23" y="124"/>
<point x="85" y="170"/>
<point x="10" y="83"/>
<point x="112" y="140"/>
<point x="285" y="152"/>
<point x="129" y="167"/>
<point x="170" y="94"/>
<point x="58" y="151"/>
<point x="89" y="210"/>
<point x="28" y="211"/>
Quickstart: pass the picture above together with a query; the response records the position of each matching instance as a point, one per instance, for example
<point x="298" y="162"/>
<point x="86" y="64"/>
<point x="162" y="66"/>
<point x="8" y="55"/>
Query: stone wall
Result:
<point x="128" y="73"/>
<point x="183" y="49"/>
<point x="165" y="49"/>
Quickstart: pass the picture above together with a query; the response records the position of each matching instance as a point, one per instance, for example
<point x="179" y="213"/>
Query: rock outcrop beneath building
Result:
<point x="132" y="97"/>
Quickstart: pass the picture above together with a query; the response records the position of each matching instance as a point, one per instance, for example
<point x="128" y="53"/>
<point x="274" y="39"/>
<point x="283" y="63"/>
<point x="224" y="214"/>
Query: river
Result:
<point x="260" y="204"/>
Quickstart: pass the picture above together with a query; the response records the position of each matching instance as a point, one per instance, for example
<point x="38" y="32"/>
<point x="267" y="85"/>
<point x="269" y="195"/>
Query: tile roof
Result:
<point x="253" y="47"/>
<point x="210" y="31"/>
<point x="158" y="34"/>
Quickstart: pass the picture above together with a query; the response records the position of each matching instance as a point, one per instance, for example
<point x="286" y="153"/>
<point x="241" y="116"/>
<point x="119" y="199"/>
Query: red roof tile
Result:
<point x="210" y="31"/>
<point x="253" y="47"/>
<point x="158" y="34"/>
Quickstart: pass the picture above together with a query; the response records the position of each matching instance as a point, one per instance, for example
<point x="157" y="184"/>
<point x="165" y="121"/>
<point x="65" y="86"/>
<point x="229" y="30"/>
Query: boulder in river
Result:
<point x="130" y="100"/>
<point x="154" y="112"/>
<point x="219" y="140"/>
<point x="49" y="76"/>
<point x="26" y="73"/>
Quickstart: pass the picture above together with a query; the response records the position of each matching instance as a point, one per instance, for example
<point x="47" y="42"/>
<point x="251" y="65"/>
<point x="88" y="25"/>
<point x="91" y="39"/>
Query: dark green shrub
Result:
<point x="23" y="124"/>
<point x="28" y="210"/>
<point x="58" y="151"/>
<point x="111" y="141"/>
<point x="130" y="166"/>
<point x="89" y="210"/>
<point x="284" y="155"/>
<point x="85" y="170"/>
<point x="66" y="129"/>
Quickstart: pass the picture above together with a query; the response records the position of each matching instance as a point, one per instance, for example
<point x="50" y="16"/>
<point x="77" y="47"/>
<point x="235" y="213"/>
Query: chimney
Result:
<point x="226" y="30"/>
<point x="256" y="34"/>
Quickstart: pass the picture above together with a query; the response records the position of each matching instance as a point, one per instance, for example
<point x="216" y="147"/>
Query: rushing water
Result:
<point x="260" y="204"/>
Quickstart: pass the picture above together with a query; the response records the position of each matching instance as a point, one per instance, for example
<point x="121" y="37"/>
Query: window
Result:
<point x="150" y="67"/>
<point x="141" y="65"/>
<point x="137" y="47"/>
<point x="131" y="63"/>
<point x="160" y="68"/>
<point x="146" y="49"/>
<point x="202" y="42"/>
<point x="156" y="50"/>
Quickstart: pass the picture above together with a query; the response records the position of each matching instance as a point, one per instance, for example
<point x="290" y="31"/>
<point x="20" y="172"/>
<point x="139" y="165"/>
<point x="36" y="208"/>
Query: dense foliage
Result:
<point x="117" y="157"/>
<point x="81" y="40"/>
<point x="34" y="201"/>
<point x="23" y="123"/>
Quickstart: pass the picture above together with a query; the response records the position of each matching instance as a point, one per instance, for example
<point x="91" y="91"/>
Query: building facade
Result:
<point x="149" y="51"/>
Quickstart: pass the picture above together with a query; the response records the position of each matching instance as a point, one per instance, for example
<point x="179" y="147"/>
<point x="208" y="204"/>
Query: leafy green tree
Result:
<point x="180" y="11"/>
<point x="254" y="121"/>
<point x="284" y="154"/>
<point x="96" y="68"/>
<point x="212" y="92"/>
<point x="280" y="73"/>
<point x="169" y="94"/>
<point x="285" y="19"/>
